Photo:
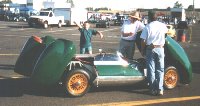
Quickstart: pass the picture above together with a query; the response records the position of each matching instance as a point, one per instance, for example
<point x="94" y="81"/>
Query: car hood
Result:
<point x="44" y="62"/>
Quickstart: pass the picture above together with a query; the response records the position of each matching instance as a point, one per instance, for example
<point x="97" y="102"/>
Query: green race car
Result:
<point x="48" y="61"/>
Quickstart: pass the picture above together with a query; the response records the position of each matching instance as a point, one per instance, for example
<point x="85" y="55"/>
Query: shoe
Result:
<point x="153" y="92"/>
<point x="160" y="93"/>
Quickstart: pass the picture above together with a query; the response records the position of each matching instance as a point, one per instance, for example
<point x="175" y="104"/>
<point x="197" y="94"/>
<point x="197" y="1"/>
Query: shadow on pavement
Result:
<point x="19" y="26"/>
<point x="19" y="87"/>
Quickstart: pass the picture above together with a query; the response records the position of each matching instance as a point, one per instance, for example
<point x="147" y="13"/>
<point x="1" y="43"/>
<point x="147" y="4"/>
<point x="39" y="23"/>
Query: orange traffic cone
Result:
<point x="183" y="37"/>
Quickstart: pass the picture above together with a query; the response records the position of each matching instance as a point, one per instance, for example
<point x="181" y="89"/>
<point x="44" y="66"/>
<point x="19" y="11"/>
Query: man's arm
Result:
<point x="143" y="36"/>
<point x="143" y="44"/>
<point x="78" y="25"/>
<point x="99" y="33"/>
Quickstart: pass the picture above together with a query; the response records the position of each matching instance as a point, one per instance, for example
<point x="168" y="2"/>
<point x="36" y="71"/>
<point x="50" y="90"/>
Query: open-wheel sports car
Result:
<point x="48" y="61"/>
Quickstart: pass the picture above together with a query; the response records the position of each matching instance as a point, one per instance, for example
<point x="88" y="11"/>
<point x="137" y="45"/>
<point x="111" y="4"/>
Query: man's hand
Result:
<point x="77" y="24"/>
<point x="101" y="35"/>
<point x="127" y="34"/>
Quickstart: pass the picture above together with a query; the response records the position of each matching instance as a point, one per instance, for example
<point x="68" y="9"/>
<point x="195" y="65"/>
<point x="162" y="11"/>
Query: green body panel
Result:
<point x="29" y="55"/>
<point x="178" y="53"/>
<point x="52" y="62"/>
<point x="117" y="70"/>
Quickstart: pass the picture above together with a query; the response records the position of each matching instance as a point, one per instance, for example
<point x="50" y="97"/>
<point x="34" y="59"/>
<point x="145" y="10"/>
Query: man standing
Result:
<point x="128" y="35"/>
<point x="86" y="37"/>
<point x="153" y="36"/>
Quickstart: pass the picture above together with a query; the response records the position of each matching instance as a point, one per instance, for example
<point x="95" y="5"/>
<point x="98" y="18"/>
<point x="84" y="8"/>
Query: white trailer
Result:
<point x="178" y="13"/>
<point x="78" y="15"/>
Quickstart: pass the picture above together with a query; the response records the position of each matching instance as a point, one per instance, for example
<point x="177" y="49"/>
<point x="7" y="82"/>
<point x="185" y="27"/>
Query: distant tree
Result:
<point x="89" y="8"/>
<point x="178" y="5"/>
<point x="6" y="1"/>
<point x="71" y="2"/>
<point x="168" y="8"/>
<point x="191" y="7"/>
<point x="102" y="8"/>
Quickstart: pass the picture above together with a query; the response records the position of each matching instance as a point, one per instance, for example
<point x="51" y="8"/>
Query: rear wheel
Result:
<point x="77" y="83"/>
<point x="171" y="78"/>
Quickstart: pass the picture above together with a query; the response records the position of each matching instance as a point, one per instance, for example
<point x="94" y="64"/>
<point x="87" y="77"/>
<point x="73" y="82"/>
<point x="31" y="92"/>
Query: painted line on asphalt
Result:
<point x="14" y="36"/>
<point x="12" y="77"/>
<point x="9" y="54"/>
<point x="3" y="27"/>
<point x="146" y="102"/>
<point x="61" y="30"/>
<point x="111" y="29"/>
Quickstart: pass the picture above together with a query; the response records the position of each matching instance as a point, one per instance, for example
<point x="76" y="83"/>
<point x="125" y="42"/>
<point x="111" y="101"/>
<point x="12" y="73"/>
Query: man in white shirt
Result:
<point x="153" y="36"/>
<point x="128" y="35"/>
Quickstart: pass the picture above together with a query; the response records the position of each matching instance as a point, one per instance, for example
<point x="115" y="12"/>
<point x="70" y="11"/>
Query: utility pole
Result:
<point x="193" y="8"/>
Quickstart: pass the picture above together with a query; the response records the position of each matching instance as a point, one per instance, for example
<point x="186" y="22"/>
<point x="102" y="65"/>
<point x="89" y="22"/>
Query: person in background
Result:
<point x="128" y="34"/>
<point x="153" y="36"/>
<point x="86" y="36"/>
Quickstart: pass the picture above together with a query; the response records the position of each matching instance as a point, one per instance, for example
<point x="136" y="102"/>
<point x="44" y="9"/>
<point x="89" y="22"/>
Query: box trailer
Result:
<point x="178" y="13"/>
<point x="78" y="15"/>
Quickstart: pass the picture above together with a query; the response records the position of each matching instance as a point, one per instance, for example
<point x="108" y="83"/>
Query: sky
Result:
<point x="134" y="4"/>
<point x="127" y="4"/>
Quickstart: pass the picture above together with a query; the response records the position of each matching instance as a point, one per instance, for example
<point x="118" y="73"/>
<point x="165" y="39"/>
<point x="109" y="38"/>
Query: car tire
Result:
<point x="17" y="20"/>
<point x="45" y="25"/>
<point x="171" y="77"/>
<point x="77" y="83"/>
<point x="30" y="24"/>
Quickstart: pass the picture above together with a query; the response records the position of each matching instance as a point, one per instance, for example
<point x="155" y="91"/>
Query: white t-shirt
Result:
<point x="129" y="27"/>
<point x="154" y="33"/>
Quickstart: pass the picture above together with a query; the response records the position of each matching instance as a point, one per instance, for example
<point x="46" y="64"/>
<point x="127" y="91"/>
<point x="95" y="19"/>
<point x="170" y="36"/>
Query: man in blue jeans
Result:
<point x="86" y="37"/>
<point x="153" y="36"/>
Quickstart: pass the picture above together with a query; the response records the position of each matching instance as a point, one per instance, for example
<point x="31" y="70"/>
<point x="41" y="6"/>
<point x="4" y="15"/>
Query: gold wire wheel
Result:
<point x="171" y="78"/>
<point x="78" y="83"/>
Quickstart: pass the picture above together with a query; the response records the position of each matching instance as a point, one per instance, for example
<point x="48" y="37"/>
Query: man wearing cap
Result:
<point x="153" y="36"/>
<point x="128" y="34"/>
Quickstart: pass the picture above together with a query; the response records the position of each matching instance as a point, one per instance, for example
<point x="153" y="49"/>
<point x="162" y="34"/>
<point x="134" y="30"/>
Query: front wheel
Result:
<point x="77" y="83"/>
<point x="171" y="78"/>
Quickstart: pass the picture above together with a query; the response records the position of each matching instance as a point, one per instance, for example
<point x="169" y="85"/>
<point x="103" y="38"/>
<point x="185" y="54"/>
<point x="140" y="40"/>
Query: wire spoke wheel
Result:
<point x="77" y="84"/>
<point x="171" y="78"/>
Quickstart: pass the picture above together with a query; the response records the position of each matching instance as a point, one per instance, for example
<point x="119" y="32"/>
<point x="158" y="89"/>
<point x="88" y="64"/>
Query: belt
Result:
<point x="128" y="40"/>
<point x="154" y="46"/>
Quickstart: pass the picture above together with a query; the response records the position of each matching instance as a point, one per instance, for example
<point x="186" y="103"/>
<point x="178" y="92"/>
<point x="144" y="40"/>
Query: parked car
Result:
<point x="103" y="24"/>
<point x="118" y="22"/>
<point x="48" y="61"/>
<point x="171" y="31"/>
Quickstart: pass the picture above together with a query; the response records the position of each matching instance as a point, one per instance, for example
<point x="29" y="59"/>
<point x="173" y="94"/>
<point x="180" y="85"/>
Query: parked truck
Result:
<point x="46" y="18"/>
<point x="78" y="15"/>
